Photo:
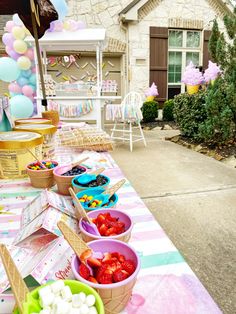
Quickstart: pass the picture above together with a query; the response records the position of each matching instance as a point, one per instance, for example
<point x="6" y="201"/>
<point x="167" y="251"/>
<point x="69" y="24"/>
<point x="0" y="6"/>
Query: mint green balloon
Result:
<point x="9" y="70"/>
<point x="21" y="107"/>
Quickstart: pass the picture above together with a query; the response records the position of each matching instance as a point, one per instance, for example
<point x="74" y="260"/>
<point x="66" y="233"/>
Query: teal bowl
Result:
<point x="96" y="191"/>
<point x="77" y="188"/>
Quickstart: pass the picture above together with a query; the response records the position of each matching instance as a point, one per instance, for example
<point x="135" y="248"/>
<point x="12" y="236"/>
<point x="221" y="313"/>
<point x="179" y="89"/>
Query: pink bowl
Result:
<point x="123" y="217"/>
<point x="64" y="182"/>
<point x="103" y="246"/>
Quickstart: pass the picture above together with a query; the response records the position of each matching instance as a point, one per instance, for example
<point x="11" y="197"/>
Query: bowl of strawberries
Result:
<point x="111" y="268"/>
<point x="111" y="223"/>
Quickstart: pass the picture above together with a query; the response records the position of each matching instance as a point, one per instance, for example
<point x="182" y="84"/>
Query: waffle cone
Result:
<point x="116" y="299"/>
<point x="18" y="285"/>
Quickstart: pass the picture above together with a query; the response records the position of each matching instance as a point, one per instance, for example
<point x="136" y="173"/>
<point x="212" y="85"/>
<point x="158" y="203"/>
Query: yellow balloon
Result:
<point x="18" y="32"/>
<point x="20" y="46"/>
<point x="24" y="63"/>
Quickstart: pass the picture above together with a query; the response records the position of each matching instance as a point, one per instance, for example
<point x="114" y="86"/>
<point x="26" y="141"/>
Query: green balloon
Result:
<point x="21" y="107"/>
<point x="9" y="70"/>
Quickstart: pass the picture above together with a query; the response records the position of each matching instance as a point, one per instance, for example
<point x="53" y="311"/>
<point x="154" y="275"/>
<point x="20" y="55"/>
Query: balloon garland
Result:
<point x="18" y="69"/>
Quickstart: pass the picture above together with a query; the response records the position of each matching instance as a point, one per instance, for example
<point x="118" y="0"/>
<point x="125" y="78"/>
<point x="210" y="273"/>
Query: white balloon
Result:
<point x="17" y="20"/>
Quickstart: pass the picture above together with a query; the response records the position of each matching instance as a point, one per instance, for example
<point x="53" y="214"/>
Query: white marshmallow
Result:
<point x="45" y="291"/>
<point x="45" y="311"/>
<point x="76" y="301"/>
<point x="46" y="300"/>
<point x="90" y="300"/>
<point x="66" y="293"/>
<point x="56" y="300"/>
<point x="75" y="311"/>
<point x="93" y="310"/>
<point x="57" y="286"/>
<point x="82" y="296"/>
<point x="84" y="309"/>
<point x="62" y="307"/>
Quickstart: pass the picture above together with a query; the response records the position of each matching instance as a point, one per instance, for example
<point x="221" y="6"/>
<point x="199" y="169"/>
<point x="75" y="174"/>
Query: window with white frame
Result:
<point x="183" y="46"/>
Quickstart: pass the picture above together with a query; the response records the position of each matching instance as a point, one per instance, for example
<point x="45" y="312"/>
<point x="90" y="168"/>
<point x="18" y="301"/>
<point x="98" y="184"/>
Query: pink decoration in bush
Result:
<point x="212" y="72"/>
<point x="152" y="91"/>
<point x="192" y="75"/>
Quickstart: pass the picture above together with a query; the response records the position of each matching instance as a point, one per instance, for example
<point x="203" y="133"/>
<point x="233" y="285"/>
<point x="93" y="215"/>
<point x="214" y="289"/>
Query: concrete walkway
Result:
<point x="193" y="197"/>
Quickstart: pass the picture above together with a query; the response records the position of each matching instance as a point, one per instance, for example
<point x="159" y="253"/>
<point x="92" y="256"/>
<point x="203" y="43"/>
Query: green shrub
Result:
<point x="219" y="127"/>
<point x="189" y="112"/>
<point x="149" y="110"/>
<point x="168" y="110"/>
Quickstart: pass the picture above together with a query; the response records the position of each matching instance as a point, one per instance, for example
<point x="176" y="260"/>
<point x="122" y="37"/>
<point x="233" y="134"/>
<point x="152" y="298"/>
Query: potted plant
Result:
<point x="192" y="77"/>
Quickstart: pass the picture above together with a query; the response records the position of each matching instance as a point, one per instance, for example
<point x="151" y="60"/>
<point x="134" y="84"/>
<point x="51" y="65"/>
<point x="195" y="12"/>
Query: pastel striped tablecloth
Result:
<point x="165" y="285"/>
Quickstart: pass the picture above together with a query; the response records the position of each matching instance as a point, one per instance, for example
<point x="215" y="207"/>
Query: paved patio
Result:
<point x="193" y="197"/>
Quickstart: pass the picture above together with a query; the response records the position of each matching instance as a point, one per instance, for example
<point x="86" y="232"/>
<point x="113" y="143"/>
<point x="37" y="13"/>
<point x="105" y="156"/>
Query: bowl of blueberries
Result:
<point x="64" y="175"/>
<point x="100" y="180"/>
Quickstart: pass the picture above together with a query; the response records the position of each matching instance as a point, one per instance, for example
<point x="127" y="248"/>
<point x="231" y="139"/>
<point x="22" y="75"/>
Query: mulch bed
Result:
<point x="218" y="152"/>
<point x="162" y="124"/>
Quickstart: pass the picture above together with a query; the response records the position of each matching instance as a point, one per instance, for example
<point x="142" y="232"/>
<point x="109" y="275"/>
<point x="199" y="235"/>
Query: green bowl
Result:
<point x="32" y="303"/>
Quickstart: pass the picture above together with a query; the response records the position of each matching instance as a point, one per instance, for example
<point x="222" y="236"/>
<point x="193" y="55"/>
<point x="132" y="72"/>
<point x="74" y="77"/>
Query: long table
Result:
<point x="165" y="285"/>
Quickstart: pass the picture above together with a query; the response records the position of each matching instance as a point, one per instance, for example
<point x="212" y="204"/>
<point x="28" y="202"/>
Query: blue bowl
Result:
<point x="95" y="191"/>
<point x="77" y="188"/>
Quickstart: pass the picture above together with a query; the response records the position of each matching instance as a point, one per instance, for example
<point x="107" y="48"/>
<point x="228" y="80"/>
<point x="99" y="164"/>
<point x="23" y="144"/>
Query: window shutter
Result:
<point x="206" y="54"/>
<point x="159" y="60"/>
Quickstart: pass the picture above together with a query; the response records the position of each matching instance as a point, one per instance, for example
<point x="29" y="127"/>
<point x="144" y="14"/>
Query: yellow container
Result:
<point x="150" y="98"/>
<point x="47" y="131"/>
<point x="33" y="121"/>
<point x="192" y="89"/>
<point x="14" y="155"/>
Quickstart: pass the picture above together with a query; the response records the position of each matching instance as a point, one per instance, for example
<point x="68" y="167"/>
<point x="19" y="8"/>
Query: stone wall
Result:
<point x="197" y="14"/>
<point x="165" y="13"/>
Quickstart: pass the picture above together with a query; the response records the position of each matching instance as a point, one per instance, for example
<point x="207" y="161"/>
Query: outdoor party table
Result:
<point x="165" y="284"/>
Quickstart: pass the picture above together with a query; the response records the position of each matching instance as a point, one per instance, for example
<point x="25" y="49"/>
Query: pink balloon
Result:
<point x="14" y="88"/>
<point x="9" y="26"/>
<point x="30" y="54"/>
<point x="27" y="91"/>
<point x="8" y="39"/>
<point x="33" y="70"/>
<point x="58" y="26"/>
<point x="31" y="98"/>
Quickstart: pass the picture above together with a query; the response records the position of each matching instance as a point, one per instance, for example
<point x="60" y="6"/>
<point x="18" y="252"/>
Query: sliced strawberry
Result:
<point x="100" y="219"/>
<point x="121" y="258"/>
<point x="120" y="275"/>
<point x="92" y="279"/>
<point x="107" y="256"/>
<point x="104" y="277"/>
<point x="128" y="266"/>
<point x="103" y="229"/>
<point x="112" y="265"/>
<point x="84" y="271"/>
<point x="110" y="231"/>
<point x="93" y="262"/>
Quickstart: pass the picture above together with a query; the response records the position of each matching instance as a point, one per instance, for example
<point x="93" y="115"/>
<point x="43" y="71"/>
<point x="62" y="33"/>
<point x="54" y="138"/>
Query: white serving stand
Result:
<point x="80" y="40"/>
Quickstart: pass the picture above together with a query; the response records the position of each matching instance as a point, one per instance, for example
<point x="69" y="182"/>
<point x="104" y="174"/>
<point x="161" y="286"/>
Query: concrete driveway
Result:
<point x="193" y="197"/>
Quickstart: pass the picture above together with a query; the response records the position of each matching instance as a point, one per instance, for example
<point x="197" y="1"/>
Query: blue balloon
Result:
<point x="33" y="87"/>
<point x="22" y="81"/>
<point x="21" y="107"/>
<point x="32" y="79"/>
<point x="14" y="94"/>
<point x="9" y="70"/>
<point x="26" y="73"/>
<point x="61" y="7"/>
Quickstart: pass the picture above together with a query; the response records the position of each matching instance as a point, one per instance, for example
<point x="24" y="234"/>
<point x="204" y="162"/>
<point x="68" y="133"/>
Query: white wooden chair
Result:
<point x="128" y="114"/>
